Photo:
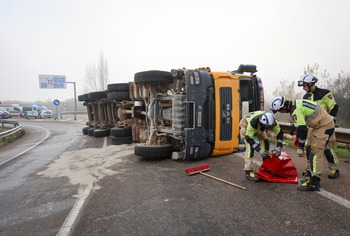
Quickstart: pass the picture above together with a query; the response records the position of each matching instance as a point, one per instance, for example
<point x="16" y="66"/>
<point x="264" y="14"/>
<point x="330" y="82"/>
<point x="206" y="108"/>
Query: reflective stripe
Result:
<point x="302" y="140"/>
<point x="255" y="145"/>
<point x="309" y="105"/>
<point x="248" y="162"/>
<point x="317" y="108"/>
<point x="279" y="141"/>
<point x="334" y="167"/>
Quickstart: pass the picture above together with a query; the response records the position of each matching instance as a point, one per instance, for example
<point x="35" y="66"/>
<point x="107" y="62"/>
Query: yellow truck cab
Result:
<point x="232" y="90"/>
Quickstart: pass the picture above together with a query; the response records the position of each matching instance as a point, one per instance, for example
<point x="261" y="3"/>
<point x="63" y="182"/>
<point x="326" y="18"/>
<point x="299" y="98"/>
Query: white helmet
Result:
<point x="267" y="120"/>
<point x="276" y="104"/>
<point x="306" y="79"/>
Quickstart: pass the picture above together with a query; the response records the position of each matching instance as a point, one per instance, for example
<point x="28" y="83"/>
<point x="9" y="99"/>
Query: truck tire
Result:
<point x="119" y="96"/>
<point x="97" y="95"/>
<point x="91" y="131"/>
<point x="153" y="76"/>
<point x="153" y="151"/>
<point x="85" y="130"/>
<point x="119" y="87"/>
<point x="121" y="132"/>
<point x="81" y="98"/>
<point x="101" y="133"/>
<point x="121" y="140"/>
<point x="86" y="97"/>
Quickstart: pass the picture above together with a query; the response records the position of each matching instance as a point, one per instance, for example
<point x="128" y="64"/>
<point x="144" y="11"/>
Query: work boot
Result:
<point x="249" y="175"/>
<point x="334" y="174"/>
<point x="311" y="184"/>
<point x="307" y="173"/>
<point x="307" y="176"/>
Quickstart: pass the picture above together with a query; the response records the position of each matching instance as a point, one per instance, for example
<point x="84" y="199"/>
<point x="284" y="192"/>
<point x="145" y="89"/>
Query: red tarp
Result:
<point x="278" y="169"/>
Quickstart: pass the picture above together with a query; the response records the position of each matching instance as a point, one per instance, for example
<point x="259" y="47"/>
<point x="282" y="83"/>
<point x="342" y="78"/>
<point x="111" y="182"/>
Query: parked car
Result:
<point x="13" y="109"/>
<point x="36" y="111"/>
<point x="4" y="114"/>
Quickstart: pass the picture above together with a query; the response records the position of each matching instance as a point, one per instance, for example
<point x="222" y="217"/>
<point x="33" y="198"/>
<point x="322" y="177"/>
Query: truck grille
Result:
<point x="225" y="113"/>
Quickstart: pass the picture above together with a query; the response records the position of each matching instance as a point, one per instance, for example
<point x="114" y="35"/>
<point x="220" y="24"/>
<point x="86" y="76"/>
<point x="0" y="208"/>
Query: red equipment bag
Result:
<point x="278" y="169"/>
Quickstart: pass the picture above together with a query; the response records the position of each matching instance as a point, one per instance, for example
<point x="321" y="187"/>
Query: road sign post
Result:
<point x="58" y="82"/>
<point x="56" y="102"/>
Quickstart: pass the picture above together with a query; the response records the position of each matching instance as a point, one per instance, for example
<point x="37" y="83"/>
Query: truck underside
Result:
<point x="183" y="114"/>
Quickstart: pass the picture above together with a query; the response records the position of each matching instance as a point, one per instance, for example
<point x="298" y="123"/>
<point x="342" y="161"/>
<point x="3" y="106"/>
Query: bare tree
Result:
<point x="96" y="77"/>
<point x="90" y="82"/>
<point x="341" y="91"/>
<point x="287" y="90"/>
<point x="103" y="74"/>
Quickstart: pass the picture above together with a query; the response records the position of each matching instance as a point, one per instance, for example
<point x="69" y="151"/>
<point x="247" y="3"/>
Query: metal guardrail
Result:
<point x="16" y="129"/>
<point x="342" y="135"/>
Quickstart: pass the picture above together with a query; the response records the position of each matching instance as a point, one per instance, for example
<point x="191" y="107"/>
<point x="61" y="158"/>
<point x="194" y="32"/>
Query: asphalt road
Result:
<point x="31" y="205"/>
<point x="158" y="198"/>
<point x="134" y="196"/>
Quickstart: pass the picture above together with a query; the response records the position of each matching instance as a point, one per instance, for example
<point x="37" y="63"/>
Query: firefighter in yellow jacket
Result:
<point x="309" y="114"/>
<point x="325" y="99"/>
<point x="255" y="124"/>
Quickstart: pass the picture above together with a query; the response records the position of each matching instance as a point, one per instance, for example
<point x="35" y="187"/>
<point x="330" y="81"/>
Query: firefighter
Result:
<point x="307" y="113"/>
<point x="255" y="124"/>
<point x="325" y="99"/>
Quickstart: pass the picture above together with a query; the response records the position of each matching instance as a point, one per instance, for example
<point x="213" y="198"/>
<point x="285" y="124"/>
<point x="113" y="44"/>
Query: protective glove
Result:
<point x="296" y="142"/>
<point x="278" y="152"/>
<point x="264" y="154"/>
<point x="300" y="152"/>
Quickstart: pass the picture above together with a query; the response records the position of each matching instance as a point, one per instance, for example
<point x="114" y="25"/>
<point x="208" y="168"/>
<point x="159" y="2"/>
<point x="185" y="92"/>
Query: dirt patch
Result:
<point x="88" y="166"/>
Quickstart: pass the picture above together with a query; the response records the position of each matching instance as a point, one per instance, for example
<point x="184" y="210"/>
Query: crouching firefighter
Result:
<point x="307" y="113"/>
<point x="255" y="124"/>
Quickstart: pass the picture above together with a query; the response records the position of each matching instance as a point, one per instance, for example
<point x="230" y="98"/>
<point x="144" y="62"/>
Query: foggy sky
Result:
<point x="62" y="37"/>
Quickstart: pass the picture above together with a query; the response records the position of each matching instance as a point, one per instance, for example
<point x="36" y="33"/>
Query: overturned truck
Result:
<point x="183" y="114"/>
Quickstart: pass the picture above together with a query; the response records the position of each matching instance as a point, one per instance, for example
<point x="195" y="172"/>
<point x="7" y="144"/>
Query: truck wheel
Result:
<point x="86" y="97"/>
<point x="121" y="132"/>
<point x="85" y="130"/>
<point x="119" y="87"/>
<point x="121" y="140"/>
<point x="101" y="133"/>
<point x="97" y="95"/>
<point x="81" y="98"/>
<point x="119" y="96"/>
<point x="154" y="76"/>
<point x="91" y="131"/>
<point x="153" y="151"/>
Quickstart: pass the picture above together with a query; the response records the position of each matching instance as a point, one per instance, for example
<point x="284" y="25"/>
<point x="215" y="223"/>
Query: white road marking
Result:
<point x="73" y="214"/>
<point x="342" y="201"/>
<point x="28" y="149"/>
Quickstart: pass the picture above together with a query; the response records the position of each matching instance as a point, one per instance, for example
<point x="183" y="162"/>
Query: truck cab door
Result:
<point x="251" y="94"/>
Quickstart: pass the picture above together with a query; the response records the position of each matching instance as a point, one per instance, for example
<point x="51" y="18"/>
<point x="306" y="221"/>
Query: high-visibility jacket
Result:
<point x="254" y="127"/>
<point x="325" y="99"/>
<point x="303" y="112"/>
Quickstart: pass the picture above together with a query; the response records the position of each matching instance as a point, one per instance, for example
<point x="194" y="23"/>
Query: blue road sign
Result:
<point x="52" y="81"/>
<point x="56" y="102"/>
